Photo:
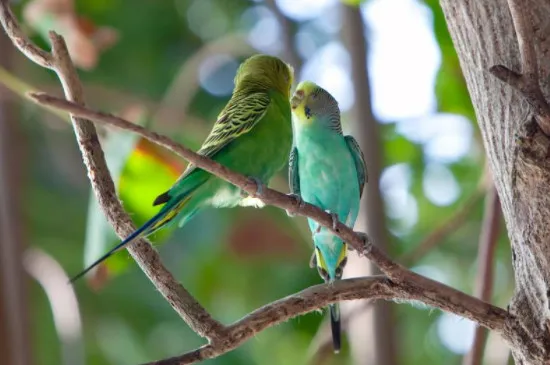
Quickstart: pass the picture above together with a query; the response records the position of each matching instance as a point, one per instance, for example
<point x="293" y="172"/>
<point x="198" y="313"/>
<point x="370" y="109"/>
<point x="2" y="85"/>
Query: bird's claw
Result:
<point x="259" y="188"/>
<point x="365" y="238"/>
<point x="335" y="219"/>
<point x="299" y="203"/>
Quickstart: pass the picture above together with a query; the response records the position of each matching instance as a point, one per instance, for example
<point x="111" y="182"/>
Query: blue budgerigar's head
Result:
<point x="330" y="257"/>
<point x="313" y="106"/>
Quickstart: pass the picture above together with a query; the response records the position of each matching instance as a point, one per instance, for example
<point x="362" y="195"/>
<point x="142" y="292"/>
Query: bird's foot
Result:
<point x="335" y="219"/>
<point x="367" y="243"/>
<point x="259" y="188"/>
<point x="298" y="201"/>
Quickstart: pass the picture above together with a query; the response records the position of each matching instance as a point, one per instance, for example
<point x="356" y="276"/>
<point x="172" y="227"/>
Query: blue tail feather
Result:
<point x="335" y="327"/>
<point x="146" y="229"/>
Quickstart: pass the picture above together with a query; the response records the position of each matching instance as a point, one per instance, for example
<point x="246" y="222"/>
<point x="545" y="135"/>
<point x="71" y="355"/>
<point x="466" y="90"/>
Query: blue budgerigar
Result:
<point x="326" y="169"/>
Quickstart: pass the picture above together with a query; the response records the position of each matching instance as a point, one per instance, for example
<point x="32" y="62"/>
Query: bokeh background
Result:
<point x="170" y="65"/>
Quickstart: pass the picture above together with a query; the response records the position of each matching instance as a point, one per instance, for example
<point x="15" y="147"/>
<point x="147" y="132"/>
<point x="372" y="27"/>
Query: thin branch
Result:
<point x="393" y="270"/>
<point x="375" y="287"/>
<point x="20" y="40"/>
<point x="404" y="284"/>
<point x="269" y="196"/>
<point x="526" y="83"/>
<point x="484" y="281"/>
<point x="147" y="258"/>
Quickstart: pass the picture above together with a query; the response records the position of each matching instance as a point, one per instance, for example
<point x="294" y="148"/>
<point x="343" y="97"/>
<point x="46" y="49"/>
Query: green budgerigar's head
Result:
<point x="313" y="106"/>
<point x="265" y="72"/>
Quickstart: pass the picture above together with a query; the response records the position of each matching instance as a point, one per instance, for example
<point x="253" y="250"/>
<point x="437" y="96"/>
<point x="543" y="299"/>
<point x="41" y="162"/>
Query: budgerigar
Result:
<point x="252" y="135"/>
<point x="326" y="169"/>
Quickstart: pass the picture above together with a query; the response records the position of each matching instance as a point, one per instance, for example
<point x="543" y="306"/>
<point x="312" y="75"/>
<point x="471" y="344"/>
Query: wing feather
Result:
<point x="360" y="165"/>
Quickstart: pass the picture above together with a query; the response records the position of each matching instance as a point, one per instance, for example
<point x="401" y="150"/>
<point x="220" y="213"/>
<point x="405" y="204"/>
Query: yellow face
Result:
<point x="324" y="270"/>
<point x="300" y="99"/>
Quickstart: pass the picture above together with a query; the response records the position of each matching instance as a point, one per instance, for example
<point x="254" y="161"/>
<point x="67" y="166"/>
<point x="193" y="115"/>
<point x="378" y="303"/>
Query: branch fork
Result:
<point x="398" y="282"/>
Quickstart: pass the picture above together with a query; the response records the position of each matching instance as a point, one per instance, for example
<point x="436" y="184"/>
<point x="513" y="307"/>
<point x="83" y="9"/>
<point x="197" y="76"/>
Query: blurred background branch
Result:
<point x="15" y="335"/>
<point x="488" y="240"/>
<point x="371" y="333"/>
<point x="64" y="304"/>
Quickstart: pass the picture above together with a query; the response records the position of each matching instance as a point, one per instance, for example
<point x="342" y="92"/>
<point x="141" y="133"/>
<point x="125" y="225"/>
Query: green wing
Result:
<point x="238" y="117"/>
<point x="293" y="174"/>
<point x="359" y="159"/>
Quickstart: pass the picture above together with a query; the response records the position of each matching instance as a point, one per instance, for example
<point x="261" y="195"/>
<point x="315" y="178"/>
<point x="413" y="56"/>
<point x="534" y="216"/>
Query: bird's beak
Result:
<point x="297" y="98"/>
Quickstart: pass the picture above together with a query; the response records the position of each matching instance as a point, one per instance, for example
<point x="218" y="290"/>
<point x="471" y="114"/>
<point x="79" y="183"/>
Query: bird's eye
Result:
<point x="323" y="273"/>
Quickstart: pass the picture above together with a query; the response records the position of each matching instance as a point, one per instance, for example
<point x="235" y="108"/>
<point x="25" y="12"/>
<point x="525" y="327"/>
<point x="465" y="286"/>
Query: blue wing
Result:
<point x="359" y="159"/>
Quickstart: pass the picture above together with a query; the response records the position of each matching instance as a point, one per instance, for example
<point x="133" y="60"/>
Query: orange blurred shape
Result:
<point x="97" y="280"/>
<point x="161" y="155"/>
<point x="84" y="39"/>
<point x="258" y="236"/>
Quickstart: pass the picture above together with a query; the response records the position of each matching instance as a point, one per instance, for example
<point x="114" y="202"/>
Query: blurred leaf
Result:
<point x="353" y="2"/>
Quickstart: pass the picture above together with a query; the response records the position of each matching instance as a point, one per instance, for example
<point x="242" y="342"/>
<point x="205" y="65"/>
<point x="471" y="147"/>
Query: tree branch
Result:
<point x="393" y="270"/>
<point x="526" y="83"/>
<point x="400" y="283"/>
<point x="484" y="282"/>
<point x="102" y="184"/>
<point x="375" y="287"/>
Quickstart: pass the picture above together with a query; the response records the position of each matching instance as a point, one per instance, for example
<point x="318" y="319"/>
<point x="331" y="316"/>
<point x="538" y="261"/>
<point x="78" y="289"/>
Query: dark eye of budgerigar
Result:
<point x="307" y="111"/>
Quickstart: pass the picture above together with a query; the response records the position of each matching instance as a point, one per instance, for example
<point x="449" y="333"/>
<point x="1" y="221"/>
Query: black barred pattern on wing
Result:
<point x="360" y="164"/>
<point x="325" y="104"/>
<point x="240" y="115"/>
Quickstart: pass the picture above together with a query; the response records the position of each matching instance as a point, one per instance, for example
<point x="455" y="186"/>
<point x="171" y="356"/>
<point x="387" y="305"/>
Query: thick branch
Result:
<point x="429" y="292"/>
<point x="146" y="257"/>
<point x="376" y="287"/>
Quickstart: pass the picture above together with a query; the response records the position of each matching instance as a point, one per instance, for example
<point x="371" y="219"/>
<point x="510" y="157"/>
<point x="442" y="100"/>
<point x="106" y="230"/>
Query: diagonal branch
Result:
<point x="375" y="287"/>
<point x="269" y="196"/>
<point x="526" y="83"/>
<point x="406" y="282"/>
<point x="434" y="291"/>
<point x="102" y="184"/>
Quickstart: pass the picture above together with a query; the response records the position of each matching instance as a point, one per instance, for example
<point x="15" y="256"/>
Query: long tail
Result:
<point x="335" y="326"/>
<point x="165" y="215"/>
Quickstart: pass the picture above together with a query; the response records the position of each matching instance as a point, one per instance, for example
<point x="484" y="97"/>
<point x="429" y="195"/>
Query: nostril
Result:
<point x="300" y="93"/>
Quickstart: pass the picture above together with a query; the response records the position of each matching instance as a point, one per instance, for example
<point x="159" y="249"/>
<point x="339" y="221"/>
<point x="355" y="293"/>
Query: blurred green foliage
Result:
<point x="228" y="265"/>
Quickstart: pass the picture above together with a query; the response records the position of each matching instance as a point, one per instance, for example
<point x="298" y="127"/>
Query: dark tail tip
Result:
<point x="335" y="326"/>
<point x="161" y="199"/>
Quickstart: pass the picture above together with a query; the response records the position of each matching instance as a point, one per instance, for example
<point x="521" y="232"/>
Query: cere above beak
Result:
<point x="297" y="99"/>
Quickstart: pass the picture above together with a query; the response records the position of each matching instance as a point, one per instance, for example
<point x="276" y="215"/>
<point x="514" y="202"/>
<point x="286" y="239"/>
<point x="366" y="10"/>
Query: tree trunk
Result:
<point x="484" y="35"/>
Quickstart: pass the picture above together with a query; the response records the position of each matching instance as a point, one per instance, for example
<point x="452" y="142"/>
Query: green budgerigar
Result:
<point x="326" y="169"/>
<point x="252" y="135"/>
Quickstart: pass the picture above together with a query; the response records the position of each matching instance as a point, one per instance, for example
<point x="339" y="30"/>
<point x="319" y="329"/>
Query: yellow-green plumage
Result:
<point x="253" y="136"/>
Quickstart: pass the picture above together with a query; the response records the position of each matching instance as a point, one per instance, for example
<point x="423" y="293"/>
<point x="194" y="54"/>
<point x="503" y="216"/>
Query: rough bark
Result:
<point x="484" y="35"/>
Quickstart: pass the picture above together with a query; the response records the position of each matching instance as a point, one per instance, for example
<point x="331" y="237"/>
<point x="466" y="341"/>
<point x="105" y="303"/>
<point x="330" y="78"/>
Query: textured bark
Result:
<point x="484" y="36"/>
